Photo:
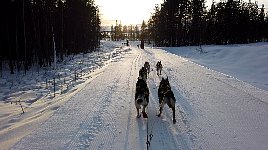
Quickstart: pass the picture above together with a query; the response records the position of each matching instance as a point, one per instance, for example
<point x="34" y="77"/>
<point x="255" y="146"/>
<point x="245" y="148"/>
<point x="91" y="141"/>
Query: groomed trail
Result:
<point x="213" y="110"/>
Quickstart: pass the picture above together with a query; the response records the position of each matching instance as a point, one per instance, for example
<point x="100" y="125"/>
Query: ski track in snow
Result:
<point x="103" y="114"/>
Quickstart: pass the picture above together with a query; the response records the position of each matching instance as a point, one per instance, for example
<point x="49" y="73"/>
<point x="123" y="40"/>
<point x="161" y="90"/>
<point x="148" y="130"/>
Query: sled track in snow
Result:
<point x="102" y="115"/>
<point x="183" y="108"/>
<point x="171" y="135"/>
<point x="131" y="84"/>
<point x="194" y="95"/>
<point x="91" y="119"/>
<point x="92" y="126"/>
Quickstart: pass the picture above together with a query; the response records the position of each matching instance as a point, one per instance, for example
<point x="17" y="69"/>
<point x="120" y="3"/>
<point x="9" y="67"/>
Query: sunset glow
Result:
<point x="126" y="11"/>
<point x="134" y="11"/>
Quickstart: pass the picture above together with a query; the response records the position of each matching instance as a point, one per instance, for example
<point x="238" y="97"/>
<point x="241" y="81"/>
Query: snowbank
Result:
<point x="35" y="93"/>
<point x="247" y="62"/>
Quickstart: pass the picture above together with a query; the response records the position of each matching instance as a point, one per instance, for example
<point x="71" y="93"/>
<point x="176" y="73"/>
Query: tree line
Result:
<point x="121" y="32"/>
<point x="188" y="22"/>
<point x="33" y="31"/>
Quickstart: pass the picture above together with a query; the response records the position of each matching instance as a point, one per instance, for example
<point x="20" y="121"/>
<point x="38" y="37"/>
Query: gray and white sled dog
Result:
<point x="147" y="67"/>
<point x="141" y="97"/>
<point x="166" y="96"/>
<point x="159" y="67"/>
<point x="143" y="73"/>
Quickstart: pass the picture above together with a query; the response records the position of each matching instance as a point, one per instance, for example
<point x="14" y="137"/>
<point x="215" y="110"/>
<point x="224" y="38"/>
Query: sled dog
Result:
<point x="166" y="96"/>
<point x="159" y="67"/>
<point x="147" y="67"/>
<point x="141" y="97"/>
<point x="143" y="73"/>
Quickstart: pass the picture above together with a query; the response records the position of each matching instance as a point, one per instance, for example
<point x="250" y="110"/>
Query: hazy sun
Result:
<point x="126" y="11"/>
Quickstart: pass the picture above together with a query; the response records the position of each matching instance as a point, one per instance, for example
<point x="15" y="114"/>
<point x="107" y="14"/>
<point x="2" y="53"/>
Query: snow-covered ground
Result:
<point x="223" y="105"/>
<point x="248" y="62"/>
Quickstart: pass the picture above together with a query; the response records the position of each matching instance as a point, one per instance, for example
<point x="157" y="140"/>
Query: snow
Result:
<point x="221" y="93"/>
<point x="246" y="62"/>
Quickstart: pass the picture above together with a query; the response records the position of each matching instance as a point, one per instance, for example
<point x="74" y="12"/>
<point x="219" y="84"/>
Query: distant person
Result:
<point x="142" y="44"/>
<point x="127" y="43"/>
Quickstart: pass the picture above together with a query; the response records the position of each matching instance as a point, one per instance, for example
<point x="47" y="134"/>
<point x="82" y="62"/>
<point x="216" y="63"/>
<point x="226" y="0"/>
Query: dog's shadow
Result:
<point x="142" y="123"/>
<point x="183" y="106"/>
<point x="142" y="129"/>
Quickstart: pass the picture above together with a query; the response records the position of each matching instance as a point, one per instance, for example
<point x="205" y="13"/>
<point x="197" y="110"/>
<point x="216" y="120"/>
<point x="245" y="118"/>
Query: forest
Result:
<point x="38" y="31"/>
<point x="189" y="22"/>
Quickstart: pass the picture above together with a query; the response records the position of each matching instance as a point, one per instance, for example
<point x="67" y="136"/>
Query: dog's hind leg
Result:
<point x="160" y="111"/>
<point x="138" y="113"/>
<point x="160" y="99"/>
<point x="138" y="109"/>
<point x="144" y="114"/>
<point x="143" y="109"/>
<point x="173" y="110"/>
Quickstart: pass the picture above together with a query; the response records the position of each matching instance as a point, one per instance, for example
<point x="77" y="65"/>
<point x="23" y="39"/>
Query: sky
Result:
<point x="133" y="11"/>
<point x="126" y="11"/>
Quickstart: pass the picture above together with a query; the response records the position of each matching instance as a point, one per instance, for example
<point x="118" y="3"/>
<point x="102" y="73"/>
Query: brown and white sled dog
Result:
<point x="141" y="97"/>
<point x="159" y="67"/>
<point x="147" y="67"/>
<point x="166" y="96"/>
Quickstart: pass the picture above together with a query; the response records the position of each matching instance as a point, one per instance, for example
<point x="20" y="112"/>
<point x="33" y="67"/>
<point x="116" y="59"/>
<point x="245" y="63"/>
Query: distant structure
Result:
<point x="106" y="32"/>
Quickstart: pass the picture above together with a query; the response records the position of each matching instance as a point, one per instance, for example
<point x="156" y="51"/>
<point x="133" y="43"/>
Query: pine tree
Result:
<point x="198" y="7"/>
<point x="29" y="27"/>
<point x="143" y="30"/>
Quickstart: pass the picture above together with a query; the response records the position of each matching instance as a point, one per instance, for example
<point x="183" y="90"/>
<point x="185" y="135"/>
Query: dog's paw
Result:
<point x="139" y="115"/>
<point x="174" y="121"/>
<point x="158" y="115"/>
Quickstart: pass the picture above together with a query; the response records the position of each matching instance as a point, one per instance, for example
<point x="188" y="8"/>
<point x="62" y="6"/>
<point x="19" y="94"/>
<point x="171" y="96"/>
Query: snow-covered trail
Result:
<point x="218" y="111"/>
<point x="214" y="111"/>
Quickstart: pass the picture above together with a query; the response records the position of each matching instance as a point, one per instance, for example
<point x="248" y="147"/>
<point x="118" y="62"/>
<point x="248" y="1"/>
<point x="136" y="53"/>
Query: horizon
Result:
<point x="110" y="11"/>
